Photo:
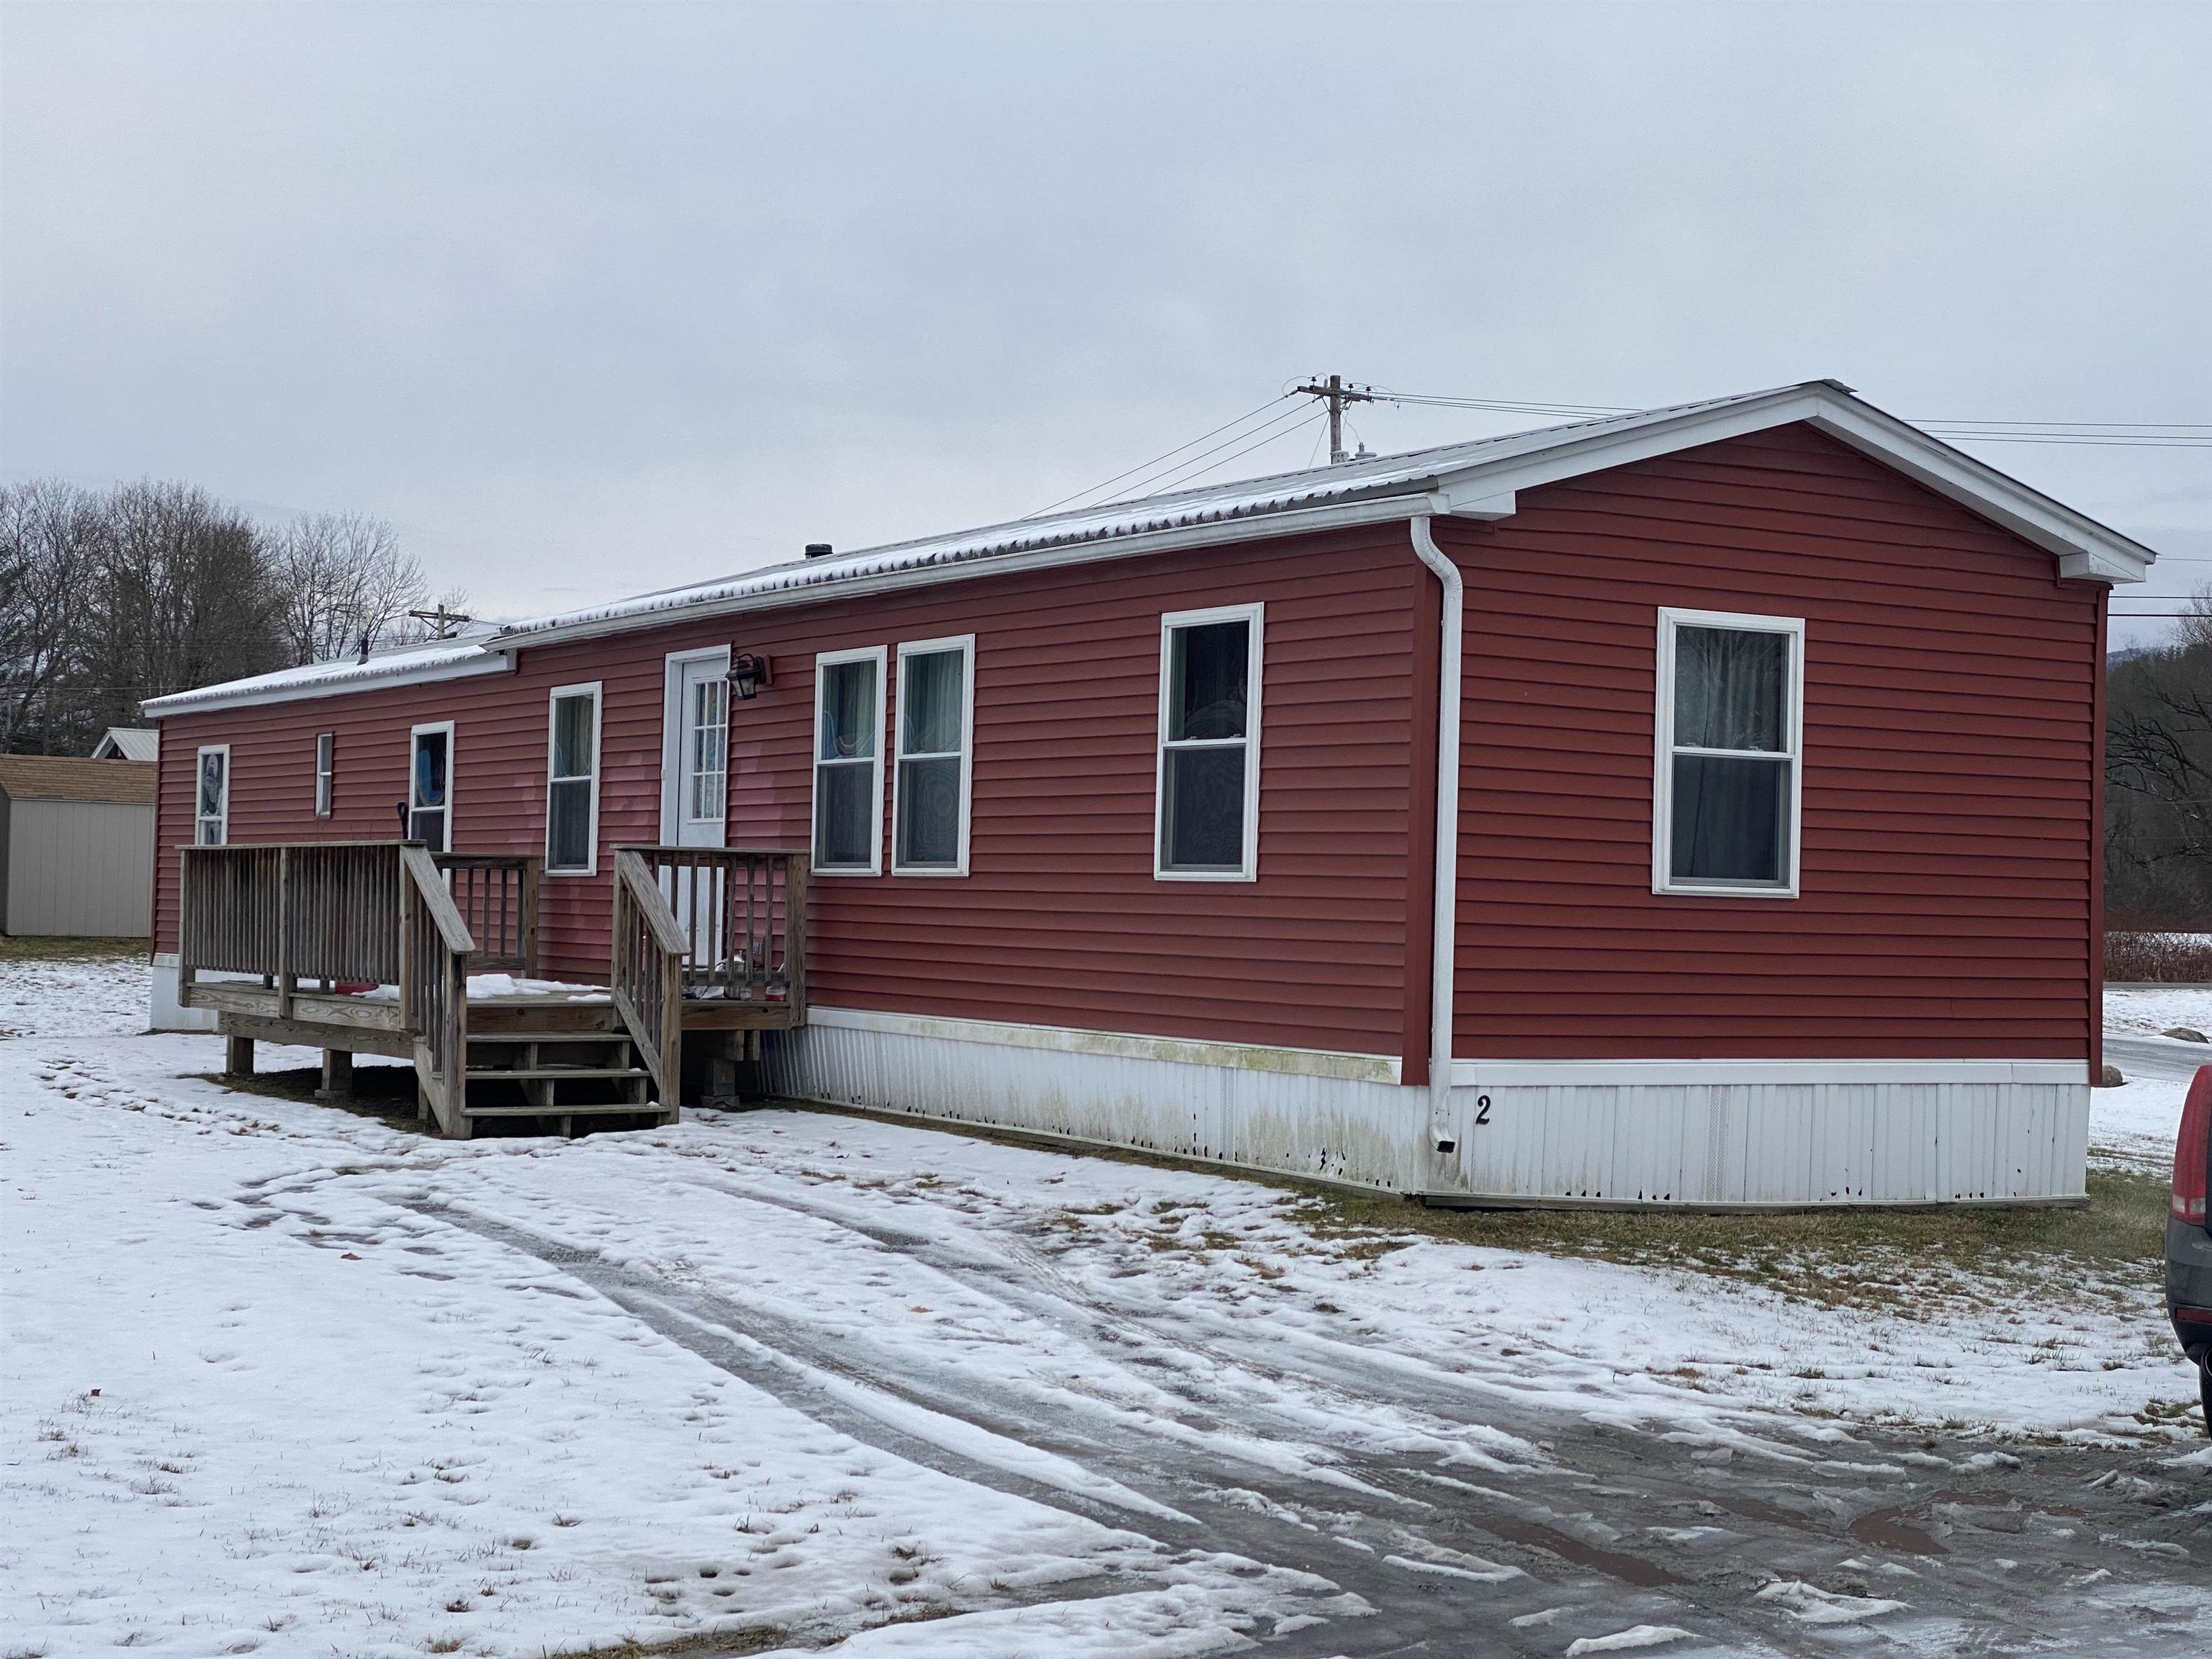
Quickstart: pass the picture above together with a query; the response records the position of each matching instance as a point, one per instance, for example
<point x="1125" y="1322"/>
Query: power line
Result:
<point x="1314" y="419"/>
<point x="1155" y="480"/>
<point x="1156" y="459"/>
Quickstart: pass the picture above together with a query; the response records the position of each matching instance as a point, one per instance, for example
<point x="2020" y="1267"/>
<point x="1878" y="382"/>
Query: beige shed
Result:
<point x="76" y="847"/>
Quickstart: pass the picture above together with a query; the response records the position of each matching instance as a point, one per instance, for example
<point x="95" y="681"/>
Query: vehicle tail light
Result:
<point x="2191" y="1149"/>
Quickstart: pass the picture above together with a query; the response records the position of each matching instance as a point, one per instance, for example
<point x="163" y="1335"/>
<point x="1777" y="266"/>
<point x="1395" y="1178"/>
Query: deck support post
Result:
<point x="337" y="1075"/>
<point x="238" y="1056"/>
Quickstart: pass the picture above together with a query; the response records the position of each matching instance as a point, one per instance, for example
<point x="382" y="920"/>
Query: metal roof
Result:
<point x="1477" y="478"/>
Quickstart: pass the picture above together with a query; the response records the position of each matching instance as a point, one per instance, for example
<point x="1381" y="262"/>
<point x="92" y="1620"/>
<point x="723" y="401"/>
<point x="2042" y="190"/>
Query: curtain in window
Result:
<point x="1730" y="816"/>
<point x="569" y="795"/>
<point x="930" y="738"/>
<point x="427" y="821"/>
<point x="845" y="825"/>
<point x="1728" y="689"/>
<point x="1202" y="807"/>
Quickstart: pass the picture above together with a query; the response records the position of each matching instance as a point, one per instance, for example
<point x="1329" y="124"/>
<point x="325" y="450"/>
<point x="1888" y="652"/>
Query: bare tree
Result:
<point x="344" y="583"/>
<point x="51" y="535"/>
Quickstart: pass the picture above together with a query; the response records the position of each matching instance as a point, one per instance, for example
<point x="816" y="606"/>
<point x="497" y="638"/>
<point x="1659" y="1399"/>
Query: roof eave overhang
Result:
<point x="1401" y="503"/>
<point x="493" y="662"/>
<point x="2086" y="549"/>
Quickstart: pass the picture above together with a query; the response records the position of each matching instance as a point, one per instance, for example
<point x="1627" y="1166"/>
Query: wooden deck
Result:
<point x="367" y="947"/>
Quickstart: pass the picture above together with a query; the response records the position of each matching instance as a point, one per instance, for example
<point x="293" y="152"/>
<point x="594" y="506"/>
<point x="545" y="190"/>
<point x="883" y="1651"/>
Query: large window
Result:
<point x="848" y="761"/>
<point x="1207" y="808"/>
<point x="572" y="782"/>
<point x="211" y="808"/>
<point x="430" y="786"/>
<point x="326" y="773"/>
<point x="929" y="810"/>
<point x="1730" y="724"/>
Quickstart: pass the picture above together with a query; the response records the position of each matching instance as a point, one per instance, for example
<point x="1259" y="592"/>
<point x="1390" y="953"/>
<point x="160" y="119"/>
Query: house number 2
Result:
<point x="1482" y="1109"/>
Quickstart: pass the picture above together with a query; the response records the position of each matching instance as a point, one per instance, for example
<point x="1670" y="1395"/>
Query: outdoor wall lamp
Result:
<point x="748" y="673"/>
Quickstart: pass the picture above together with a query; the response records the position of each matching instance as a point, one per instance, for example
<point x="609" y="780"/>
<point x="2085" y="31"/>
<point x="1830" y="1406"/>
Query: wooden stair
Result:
<point x="544" y="1067"/>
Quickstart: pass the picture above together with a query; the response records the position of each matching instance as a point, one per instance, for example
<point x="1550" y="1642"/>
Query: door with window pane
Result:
<point x="700" y="806"/>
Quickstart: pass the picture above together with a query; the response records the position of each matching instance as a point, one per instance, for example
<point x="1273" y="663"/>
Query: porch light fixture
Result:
<point x="748" y="673"/>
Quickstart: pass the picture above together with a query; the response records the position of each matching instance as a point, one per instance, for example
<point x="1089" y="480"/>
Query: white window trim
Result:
<point x="591" y="864"/>
<point x="965" y="645"/>
<point x="413" y="733"/>
<point x="673" y="761"/>
<point x="1248" y="865"/>
<point x="879" y="655"/>
<point x="1663" y="751"/>
<point x="199" y="763"/>
<point x="326" y="781"/>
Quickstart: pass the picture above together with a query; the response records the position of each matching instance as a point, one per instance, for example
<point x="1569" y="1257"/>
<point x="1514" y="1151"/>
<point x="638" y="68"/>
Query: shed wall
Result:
<point x="1949" y="846"/>
<point x="80" y="869"/>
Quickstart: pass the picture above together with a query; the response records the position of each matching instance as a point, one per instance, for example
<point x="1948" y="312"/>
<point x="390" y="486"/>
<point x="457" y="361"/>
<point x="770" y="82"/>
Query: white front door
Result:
<point x="695" y="769"/>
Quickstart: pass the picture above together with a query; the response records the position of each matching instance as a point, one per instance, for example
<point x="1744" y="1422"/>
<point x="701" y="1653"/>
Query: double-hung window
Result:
<point x="430" y="786"/>
<point x="936" y="704"/>
<point x="572" y="782"/>
<point x="1207" y="808"/>
<point x="848" y="761"/>
<point x="326" y="773"/>
<point x="1729" y="754"/>
<point x="211" y="798"/>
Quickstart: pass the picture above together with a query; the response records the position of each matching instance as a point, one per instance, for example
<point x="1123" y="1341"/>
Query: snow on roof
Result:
<point x="434" y="660"/>
<point x="1386" y="485"/>
<point x="1374" y="476"/>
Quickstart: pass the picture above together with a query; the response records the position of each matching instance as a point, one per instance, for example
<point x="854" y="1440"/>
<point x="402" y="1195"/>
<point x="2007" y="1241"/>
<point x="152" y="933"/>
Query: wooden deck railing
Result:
<point x="434" y="982"/>
<point x="330" y="911"/>
<point x="742" y="911"/>
<point x="647" y="977"/>
<point x="497" y="897"/>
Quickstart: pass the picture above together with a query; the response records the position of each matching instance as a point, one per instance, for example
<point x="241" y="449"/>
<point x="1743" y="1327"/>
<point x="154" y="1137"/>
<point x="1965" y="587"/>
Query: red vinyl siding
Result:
<point x="1061" y="920"/>
<point x="1950" y="756"/>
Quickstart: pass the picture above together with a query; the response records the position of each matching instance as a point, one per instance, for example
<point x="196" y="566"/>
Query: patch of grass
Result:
<point x="1888" y="1256"/>
<point x="40" y="948"/>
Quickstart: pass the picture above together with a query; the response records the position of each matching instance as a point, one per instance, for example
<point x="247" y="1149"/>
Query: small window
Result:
<point x="326" y="773"/>
<point x="929" y="812"/>
<point x="848" y="761"/>
<point x="1730" y="721"/>
<point x="572" y="782"/>
<point x="430" y="786"/>
<point x="707" y="767"/>
<point x="211" y="812"/>
<point x="1207" y="807"/>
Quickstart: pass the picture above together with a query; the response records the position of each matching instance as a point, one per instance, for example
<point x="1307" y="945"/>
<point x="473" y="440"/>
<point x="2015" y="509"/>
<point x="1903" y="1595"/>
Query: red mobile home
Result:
<point x="1698" y="806"/>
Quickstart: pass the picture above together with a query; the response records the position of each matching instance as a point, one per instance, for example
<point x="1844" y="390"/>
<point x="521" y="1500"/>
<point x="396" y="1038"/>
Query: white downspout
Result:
<point x="1442" y="956"/>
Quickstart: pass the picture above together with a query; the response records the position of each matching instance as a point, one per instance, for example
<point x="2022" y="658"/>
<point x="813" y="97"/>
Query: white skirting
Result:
<point x="166" y="1014"/>
<point x="1688" y="1133"/>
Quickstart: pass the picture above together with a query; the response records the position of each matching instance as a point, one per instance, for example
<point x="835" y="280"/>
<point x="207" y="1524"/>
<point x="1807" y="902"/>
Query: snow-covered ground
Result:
<point x="282" y="1379"/>
<point x="2141" y="1010"/>
<point x="75" y="996"/>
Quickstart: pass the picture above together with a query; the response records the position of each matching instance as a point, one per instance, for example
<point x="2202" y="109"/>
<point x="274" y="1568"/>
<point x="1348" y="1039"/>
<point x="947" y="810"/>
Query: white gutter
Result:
<point x="1443" y="953"/>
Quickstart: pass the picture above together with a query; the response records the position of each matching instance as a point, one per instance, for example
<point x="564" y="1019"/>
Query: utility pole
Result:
<point x="1336" y="394"/>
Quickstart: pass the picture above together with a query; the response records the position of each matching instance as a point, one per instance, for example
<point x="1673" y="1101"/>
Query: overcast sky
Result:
<point x="591" y="300"/>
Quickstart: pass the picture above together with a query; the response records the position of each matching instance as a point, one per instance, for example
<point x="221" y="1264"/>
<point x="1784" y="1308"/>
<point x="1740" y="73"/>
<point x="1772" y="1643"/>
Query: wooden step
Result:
<point x="487" y="1074"/>
<point x="595" y="1108"/>
<point x="563" y="1037"/>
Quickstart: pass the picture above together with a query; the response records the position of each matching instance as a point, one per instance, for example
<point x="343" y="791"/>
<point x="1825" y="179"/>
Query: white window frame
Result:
<point x="553" y="700"/>
<point x="1248" y="865"/>
<point x="452" y="757"/>
<point x="1664" y="750"/>
<point x="222" y="819"/>
<point x="326" y="773"/>
<point x="908" y="649"/>
<point x="879" y="655"/>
